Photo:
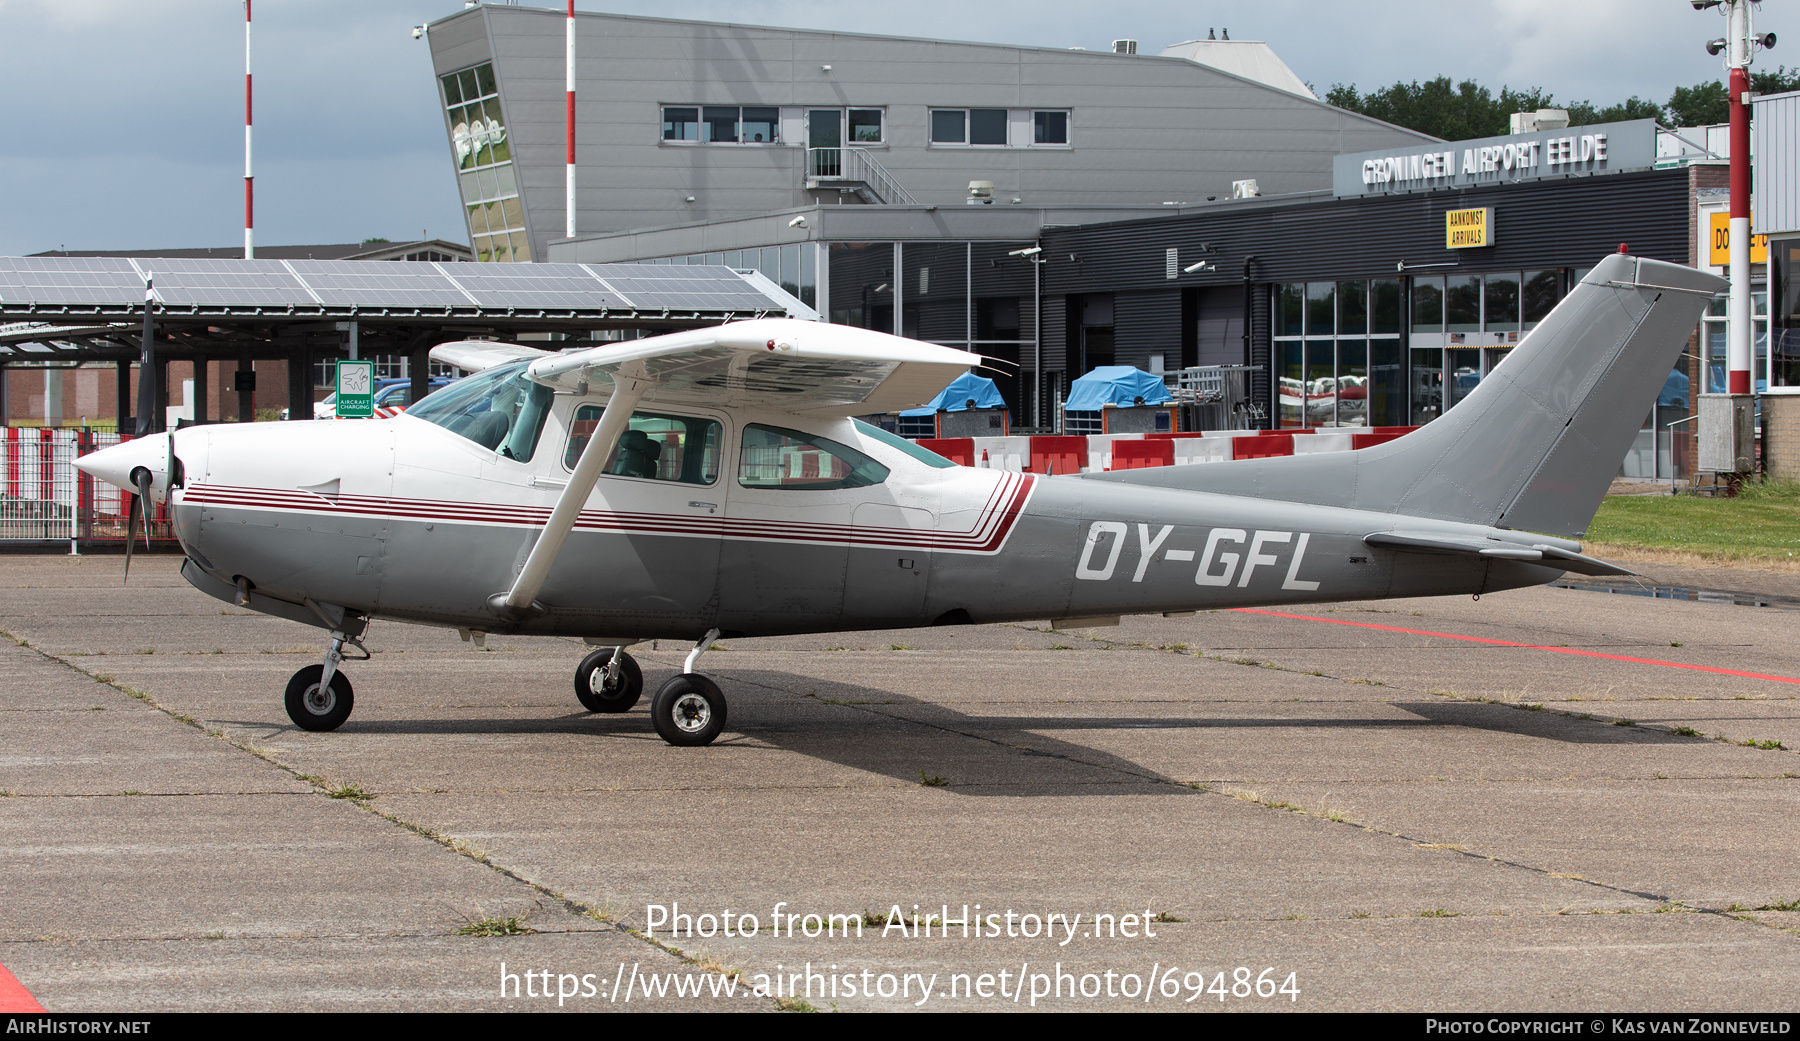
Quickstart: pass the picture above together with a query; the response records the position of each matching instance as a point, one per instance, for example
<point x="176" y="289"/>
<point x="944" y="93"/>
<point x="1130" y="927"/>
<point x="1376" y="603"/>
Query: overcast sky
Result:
<point x="125" y="116"/>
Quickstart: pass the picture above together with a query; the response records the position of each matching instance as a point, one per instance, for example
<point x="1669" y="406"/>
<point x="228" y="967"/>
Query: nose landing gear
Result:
<point x="319" y="697"/>
<point x="608" y="680"/>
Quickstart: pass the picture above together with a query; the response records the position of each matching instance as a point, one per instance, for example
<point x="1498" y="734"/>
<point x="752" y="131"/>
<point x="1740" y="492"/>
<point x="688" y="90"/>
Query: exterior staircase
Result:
<point x="854" y="170"/>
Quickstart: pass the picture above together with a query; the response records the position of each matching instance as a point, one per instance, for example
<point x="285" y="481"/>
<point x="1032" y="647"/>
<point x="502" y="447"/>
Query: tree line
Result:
<point x="1456" y="111"/>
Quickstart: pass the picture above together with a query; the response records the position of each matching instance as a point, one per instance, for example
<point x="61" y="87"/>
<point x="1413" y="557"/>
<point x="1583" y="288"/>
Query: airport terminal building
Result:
<point x="1063" y="209"/>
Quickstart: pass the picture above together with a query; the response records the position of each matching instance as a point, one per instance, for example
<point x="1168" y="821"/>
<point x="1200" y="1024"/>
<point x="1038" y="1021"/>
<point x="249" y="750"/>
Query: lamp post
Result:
<point x="1727" y="423"/>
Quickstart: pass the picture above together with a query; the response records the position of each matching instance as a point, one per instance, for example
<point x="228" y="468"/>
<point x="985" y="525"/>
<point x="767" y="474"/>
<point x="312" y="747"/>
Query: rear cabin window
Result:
<point x="790" y="460"/>
<point x="684" y="449"/>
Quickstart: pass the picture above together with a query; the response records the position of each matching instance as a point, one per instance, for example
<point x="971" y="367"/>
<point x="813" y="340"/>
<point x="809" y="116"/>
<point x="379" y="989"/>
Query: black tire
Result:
<point x="688" y="710"/>
<point x="590" y="678"/>
<point x="311" y="711"/>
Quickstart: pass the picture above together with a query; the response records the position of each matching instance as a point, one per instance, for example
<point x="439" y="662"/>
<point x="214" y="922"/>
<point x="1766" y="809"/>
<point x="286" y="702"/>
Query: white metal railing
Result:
<point x="855" y="165"/>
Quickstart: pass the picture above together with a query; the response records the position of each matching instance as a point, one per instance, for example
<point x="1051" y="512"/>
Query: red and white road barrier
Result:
<point x="1098" y="452"/>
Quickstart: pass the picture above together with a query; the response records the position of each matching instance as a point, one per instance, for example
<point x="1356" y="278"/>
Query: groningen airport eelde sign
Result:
<point x="1597" y="148"/>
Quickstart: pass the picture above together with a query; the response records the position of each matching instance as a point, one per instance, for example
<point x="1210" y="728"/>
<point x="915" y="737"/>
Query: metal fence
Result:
<point x="44" y="498"/>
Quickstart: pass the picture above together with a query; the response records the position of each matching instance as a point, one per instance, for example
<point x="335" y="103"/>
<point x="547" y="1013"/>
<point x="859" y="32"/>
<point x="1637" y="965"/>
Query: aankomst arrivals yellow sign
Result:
<point x="1466" y="229"/>
<point x="1718" y="238"/>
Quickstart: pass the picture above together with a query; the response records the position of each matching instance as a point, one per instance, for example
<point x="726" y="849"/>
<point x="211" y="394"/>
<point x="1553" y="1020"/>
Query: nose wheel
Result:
<point x="314" y="703"/>
<point x="319" y="696"/>
<point x="608" y="680"/>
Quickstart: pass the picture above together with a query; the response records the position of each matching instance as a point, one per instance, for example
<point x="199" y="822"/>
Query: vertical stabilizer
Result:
<point x="1536" y="444"/>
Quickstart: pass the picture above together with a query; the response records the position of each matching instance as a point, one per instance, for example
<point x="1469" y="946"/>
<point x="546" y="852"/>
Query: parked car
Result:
<point x="391" y="398"/>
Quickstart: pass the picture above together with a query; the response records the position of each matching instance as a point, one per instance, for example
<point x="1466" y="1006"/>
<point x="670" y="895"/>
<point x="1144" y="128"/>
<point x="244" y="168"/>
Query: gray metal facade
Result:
<point x="1775" y="151"/>
<point x="1141" y="129"/>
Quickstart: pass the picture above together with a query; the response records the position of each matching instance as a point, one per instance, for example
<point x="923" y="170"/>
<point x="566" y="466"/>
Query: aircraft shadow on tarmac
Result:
<point x="881" y="732"/>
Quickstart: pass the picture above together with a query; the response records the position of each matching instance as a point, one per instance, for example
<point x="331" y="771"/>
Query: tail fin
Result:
<point x="1535" y="445"/>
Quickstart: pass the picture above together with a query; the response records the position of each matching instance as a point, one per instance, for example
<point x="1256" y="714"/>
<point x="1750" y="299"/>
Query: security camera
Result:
<point x="1202" y="266"/>
<point x="1029" y="251"/>
<point x="418" y="32"/>
<point x="1713" y="47"/>
<point x="798" y="222"/>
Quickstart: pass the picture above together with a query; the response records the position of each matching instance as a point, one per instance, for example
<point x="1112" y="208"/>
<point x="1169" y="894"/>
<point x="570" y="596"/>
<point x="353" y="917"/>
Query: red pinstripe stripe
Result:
<point x="1006" y="500"/>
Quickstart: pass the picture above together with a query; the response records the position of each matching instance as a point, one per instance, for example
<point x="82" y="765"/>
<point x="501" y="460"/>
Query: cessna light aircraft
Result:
<point x="713" y="483"/>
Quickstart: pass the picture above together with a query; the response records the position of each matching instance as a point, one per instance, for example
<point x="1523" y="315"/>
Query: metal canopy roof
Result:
<point x="58" y="289"/>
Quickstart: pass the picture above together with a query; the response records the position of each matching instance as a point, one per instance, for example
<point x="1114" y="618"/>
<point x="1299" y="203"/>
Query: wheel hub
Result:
<point x="692" y="713"/>
<point x="320" y="700"/>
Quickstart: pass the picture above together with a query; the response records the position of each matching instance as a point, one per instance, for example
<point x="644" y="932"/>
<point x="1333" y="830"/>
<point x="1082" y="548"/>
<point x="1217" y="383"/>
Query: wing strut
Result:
<point x="521" y="600"/>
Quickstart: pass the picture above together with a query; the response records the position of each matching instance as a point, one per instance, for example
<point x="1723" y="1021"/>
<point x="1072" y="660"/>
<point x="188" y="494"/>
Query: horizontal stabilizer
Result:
<point x="1549" y="556"/>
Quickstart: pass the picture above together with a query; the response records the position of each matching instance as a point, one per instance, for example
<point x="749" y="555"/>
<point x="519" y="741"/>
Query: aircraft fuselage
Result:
<point x="404" y="520"/>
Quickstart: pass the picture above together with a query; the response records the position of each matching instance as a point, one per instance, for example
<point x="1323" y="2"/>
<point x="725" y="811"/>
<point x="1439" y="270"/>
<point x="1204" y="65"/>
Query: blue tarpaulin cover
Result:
<point x="956" y="397"/>
<point x="1117" y="385"/>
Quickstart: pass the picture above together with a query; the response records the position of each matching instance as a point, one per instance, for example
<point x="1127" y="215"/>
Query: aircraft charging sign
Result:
<point x="355" y="389"/>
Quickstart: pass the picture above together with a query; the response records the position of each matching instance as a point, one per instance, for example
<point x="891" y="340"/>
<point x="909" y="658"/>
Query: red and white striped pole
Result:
<point x="1738" y="348"/>
<point x="249" y="192"/>
<point x="569" y="187"/>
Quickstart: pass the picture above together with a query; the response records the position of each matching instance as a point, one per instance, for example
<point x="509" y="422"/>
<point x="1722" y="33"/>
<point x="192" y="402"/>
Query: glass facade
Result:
<point x="1337" y="354"/>
<point x="490" y="187"/>
<point x="1778" y="363"/>
<point x="1462" y="325"/>
<point x="1762" y="367"/>
<point x="794" y="267"/>
<point x="970" y="295"/>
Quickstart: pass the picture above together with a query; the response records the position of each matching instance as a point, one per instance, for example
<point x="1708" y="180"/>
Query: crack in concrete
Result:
<point x="600" y="915"/>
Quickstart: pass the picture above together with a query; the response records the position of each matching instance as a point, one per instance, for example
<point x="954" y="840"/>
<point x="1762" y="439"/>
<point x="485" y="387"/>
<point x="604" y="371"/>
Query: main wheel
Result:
<point x="688" y="710"/>
<point x="591" y="688"/>
<point x="314" y="707"/>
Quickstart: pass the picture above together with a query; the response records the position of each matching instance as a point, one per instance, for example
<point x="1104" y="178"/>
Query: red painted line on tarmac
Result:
<point x="1528" y="646"/>
<point x="13" y="995"/>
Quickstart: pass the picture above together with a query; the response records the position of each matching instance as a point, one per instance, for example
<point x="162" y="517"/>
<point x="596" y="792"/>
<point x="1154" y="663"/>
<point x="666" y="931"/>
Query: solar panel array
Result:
<point x="350" y="287"/>
<point x="90" y="281"/>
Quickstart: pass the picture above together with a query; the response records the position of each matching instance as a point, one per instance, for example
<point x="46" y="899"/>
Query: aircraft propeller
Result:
<point x="137" y="516"/>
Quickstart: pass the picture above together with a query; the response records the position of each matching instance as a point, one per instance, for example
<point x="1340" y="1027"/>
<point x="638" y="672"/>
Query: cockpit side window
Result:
<point x="500" y="410"/>
<point x="774" y="457"/>
<point x="684" y="449"/>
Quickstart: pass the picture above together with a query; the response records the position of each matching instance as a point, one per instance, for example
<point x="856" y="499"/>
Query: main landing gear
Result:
<point x="319" y="697"/>
<point x="687" y="710"/>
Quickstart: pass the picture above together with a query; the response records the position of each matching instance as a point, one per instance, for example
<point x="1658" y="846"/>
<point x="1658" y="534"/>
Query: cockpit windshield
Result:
<point x="500" y="410"/>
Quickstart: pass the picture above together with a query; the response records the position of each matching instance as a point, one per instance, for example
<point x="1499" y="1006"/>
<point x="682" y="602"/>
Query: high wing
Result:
<point x="781" y="364"/>
<point x="778" y="364"/>
<point x="475" y="355"/>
